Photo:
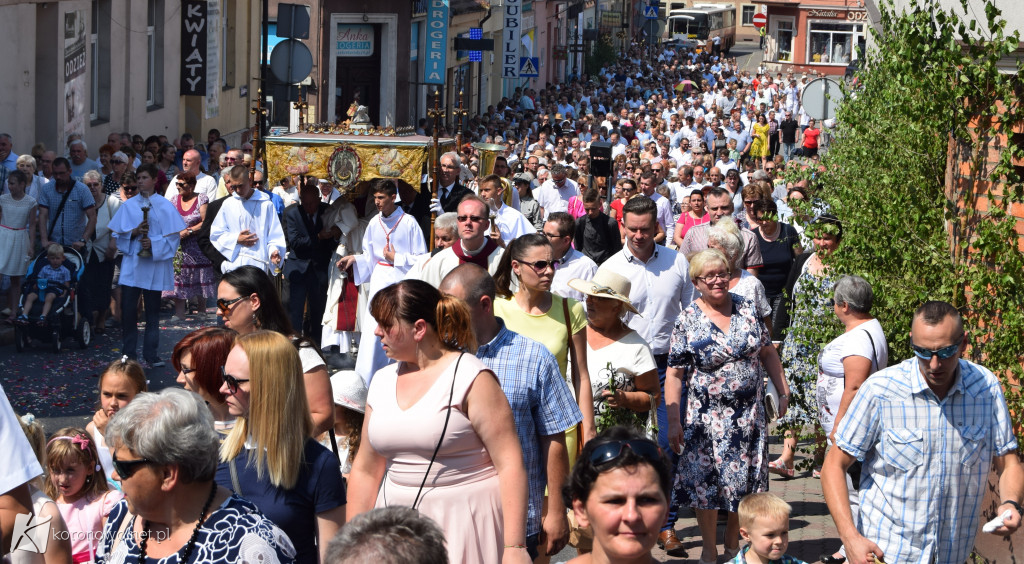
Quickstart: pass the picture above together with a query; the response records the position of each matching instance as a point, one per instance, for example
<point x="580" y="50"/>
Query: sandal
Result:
<point x="779" y="468"/>
<point x="816" y="473"/>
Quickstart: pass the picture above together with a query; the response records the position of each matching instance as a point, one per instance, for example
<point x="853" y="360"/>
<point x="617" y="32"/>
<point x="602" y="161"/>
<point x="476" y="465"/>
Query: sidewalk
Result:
<point x="811" y="532"/>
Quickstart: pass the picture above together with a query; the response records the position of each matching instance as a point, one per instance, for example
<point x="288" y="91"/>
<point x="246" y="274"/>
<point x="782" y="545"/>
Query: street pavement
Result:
<point x="60" y="388"/>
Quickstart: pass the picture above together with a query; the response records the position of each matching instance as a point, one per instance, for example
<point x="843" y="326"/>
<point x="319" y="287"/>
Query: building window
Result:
<point x="784" y="39"/>
<point x="748" y="15"/>
<point x="154" y="53"/>
<point x="832" y="43"/>
<point x="99" y="61"/>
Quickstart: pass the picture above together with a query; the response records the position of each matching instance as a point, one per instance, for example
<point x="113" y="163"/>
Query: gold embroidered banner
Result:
<point x="376" y="159"/>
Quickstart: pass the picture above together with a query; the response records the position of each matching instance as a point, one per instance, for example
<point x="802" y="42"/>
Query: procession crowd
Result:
<point x="570" y="348"/>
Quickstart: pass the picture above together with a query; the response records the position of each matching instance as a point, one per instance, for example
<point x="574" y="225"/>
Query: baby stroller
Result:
<point x="63" y="321"/>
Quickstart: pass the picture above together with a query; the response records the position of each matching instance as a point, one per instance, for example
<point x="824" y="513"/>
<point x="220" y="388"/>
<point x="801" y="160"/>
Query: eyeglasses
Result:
<point x="180" y="184"/>
<point x="92" y="184"/>
<point x="130" y="188"/>
<point x="750" y="202"/>
<point x="257" y="183"/>
<point x="540" y="265"/>
<point x="944" y="353"/>
<point x="125" y="468"/>
<point x="769" y="168"/>
<point x="552" y="235"/>
<point x="225" y="305"/>
<point x="611" y="451"/>
<point x="722" y="277"/>
<point x="473" y="218"/>
<point x="231" y="381"/>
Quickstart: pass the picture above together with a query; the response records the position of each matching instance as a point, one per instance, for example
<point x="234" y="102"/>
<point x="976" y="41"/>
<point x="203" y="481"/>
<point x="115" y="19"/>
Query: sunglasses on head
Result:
<point x="125" y="468"/>
<point x="944" y="353"/>
<point x="611" y="451"/>
<point x="231" y="381"/>
<point x="225" y="305"/>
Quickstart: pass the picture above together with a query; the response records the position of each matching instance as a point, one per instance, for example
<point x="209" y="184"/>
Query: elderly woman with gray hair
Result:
<point x="165" y="455"/>
<point x="725" y="237"/>
<point x="845" y="363"/>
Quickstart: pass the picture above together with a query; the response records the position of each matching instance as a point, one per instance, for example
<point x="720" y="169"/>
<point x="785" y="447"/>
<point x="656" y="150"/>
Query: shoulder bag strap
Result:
<point x="574" y="366"/>
<point x="236" y="487"/>
<point x="60" y="209"/>
<point x="447" y="416"/>
<point x="874" y="355"/>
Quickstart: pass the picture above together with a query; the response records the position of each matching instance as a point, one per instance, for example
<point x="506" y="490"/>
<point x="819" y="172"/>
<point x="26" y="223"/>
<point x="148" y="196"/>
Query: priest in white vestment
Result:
<point x="391" y="244"/>
<point x="247" y="231"/>
<point x="474" y="244"/>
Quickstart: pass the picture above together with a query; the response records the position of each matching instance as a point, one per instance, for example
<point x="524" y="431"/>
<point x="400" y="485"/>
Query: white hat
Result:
<point x="605" y="284"/>
<point x="349" y="390"/>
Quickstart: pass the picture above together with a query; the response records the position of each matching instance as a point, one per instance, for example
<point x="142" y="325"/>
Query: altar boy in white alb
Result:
<point x="247" y="230"/>
<point x="511" y="223"/>
<point x="157" y="233"/>
<point x="391" y="244"/>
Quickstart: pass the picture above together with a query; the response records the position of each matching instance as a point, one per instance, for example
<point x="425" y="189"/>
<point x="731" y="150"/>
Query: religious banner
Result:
<point x="193" y="48"/>
<point x="346" y="161"/>
<point x="436" y="52"/>
<point x="511" y="33"/>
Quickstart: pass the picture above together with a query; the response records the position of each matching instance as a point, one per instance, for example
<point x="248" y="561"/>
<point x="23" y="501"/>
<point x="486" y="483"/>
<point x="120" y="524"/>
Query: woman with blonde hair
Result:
<point x="269" y="457"/>
<point x="438" y="433"/>
<point x="27" y="164"/>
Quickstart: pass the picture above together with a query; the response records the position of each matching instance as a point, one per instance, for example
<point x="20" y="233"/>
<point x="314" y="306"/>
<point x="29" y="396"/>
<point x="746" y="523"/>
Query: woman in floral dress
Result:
<point x="720" y="349"/>
<point x="193" y="271"/>
<point x="813" y="325"/>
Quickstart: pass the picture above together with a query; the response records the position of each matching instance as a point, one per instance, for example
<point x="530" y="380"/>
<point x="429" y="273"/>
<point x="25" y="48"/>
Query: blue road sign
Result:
<point x="529" y="67"/>
<point x="651" y="12"/>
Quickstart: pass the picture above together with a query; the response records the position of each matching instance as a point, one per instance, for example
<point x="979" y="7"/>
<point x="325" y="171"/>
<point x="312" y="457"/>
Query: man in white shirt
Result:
<point x="205" y="184"/>
<point x="648" y="183"/>
<point x="510" y="222"/>
<point x="569" y="262"/>
<point x="247" y="230"/>
<point x="553" y="195"/>
<point x="660" y="288"/>
<point x="231" y="158"/>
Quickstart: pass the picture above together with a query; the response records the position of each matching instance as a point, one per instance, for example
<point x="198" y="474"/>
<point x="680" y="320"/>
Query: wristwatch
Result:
<point x="1014" y="505"/>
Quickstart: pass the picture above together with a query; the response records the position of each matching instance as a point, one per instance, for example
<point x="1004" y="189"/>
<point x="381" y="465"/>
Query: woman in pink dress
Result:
<point x="438" y="433"/>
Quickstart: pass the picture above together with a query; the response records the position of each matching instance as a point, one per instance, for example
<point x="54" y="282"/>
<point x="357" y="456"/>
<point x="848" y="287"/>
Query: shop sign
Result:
<point x="355" y="40"/>
<point x="512" y="23"/>
<point x="436" y="51"/>
<point x="851" y="16"/>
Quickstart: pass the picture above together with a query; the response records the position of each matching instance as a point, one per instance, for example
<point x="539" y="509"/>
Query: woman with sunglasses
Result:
<point x="845" y="364"/>
<point x="164" y="450"/>
<point x="198" y="358"/>
<point x="194" y="276"/>
<point x="536" y="311"/>
<point x="100" y="255"/>
<point x="438" y="433"/>
<point x="720" y="351"/>
<point x="247" y="301"/>
<point x="270" y="456"/>
<point x="620" y="489"/>
<point x="118" y="167"/>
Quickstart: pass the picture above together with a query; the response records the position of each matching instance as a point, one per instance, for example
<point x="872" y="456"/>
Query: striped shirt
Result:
<point x="926" y="461"/>
<point x="541" y="402"/>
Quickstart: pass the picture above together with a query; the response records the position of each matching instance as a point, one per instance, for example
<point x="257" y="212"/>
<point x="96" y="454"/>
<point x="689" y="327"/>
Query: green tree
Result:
<point x="931" y="93"/>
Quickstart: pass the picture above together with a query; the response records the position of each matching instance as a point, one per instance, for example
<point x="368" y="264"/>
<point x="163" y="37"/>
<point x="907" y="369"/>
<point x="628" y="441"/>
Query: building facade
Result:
<point x="819" y="37"/>
<point x="93" y="67"/>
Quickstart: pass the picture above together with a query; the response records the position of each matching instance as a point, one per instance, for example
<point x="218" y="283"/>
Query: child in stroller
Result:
<point x="53" y="282"/>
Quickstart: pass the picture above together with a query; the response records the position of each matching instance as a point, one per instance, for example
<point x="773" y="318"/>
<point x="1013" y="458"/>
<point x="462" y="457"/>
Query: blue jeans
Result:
<point x="787" y="150"/>
<point x="673" y="459"/>
<point x="130" y="322"/>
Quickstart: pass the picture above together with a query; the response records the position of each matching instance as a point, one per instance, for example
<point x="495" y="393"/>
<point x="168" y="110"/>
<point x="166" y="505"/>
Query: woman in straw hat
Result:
<point x="625" y="376"/>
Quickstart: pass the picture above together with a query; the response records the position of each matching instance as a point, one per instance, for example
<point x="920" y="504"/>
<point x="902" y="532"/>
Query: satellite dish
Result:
<point x="291" y="61"/>
<point x="821" y="98"/>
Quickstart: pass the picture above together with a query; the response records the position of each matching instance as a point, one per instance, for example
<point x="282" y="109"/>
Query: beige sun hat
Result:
<point x="605" y="284"/>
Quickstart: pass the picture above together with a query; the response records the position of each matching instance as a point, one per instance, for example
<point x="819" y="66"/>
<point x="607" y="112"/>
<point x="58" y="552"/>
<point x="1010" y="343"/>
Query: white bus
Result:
<point x="693" y="27"/>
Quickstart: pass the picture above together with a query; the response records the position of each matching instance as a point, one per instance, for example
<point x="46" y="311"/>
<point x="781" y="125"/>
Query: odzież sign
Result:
<point x="510" y="37"/>
<point x="193" y="48"/>
<point x="436" y="51"/>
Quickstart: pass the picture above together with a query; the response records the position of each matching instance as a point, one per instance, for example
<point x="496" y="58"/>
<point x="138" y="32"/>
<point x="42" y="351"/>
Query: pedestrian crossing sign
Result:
<point x="651" y="12"/>
<point x="529" y="66"/>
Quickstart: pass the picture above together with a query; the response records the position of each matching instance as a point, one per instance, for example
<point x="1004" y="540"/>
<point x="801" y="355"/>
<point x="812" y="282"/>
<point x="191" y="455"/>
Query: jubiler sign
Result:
<point x="510" y="37"/>
<point x="436" y="51"/>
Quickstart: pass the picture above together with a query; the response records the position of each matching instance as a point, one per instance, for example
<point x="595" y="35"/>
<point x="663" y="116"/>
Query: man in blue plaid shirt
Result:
<point x="927" y="430"/>
<point x="542" y="404"/>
